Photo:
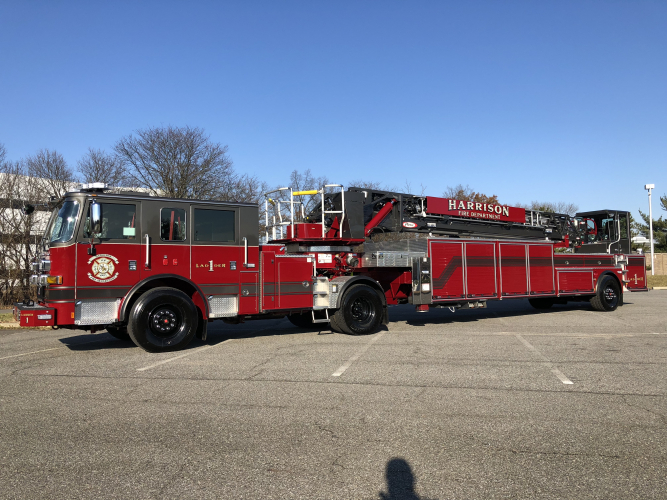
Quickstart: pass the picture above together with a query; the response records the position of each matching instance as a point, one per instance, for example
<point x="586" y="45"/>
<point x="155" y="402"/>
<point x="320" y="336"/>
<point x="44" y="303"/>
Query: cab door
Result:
<point x="165" y="243"/>
<point x="108" y="269"/>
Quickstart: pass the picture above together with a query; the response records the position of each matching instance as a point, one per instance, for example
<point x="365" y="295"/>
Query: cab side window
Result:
<point x="118" y="222"/>
<point x="172" y="224"/>
<point x="217" y="226"/>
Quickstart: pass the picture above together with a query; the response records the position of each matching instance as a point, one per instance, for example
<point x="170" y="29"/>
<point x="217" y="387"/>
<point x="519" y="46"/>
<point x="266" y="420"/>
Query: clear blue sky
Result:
<point x="546" y="100"/>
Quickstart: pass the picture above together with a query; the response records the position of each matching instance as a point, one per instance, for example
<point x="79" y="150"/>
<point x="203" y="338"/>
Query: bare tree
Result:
<point x="559" y="207"/>
<point x="51" y="169"/>
<point x="100" y="166"/>
<point x="179" y="162"/>
<point x="466" y="193"/>
<point x="375" y="185"/>
<point x="19" y="229"/>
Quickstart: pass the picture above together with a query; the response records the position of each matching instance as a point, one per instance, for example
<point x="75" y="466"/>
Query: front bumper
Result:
<point x="35" y="315"/>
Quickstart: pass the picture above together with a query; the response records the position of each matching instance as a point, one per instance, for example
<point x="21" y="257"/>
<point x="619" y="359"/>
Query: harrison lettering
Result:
<point x="479" y="207"/>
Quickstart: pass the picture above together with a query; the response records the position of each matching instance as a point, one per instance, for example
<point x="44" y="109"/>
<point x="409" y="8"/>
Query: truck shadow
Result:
<point x="219" y="331"/>
<point x="94" y="342"/>
<point x="494" y="310"/>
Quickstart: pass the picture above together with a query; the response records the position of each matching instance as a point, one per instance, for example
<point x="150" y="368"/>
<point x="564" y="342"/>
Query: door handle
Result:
<point x="245" y="254"/>
<point x="148" y="250"/>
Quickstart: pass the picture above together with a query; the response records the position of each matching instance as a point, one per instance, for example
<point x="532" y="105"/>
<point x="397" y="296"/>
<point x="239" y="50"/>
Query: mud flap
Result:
<point x="385" y="315"/>
<point x="202" y="326"/>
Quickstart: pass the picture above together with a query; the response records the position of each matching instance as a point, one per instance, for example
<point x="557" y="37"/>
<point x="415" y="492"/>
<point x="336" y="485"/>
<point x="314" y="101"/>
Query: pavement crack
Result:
<point x="324" y="428"/>
<point x="556" y="453"/>
<point x="663" y="418"/>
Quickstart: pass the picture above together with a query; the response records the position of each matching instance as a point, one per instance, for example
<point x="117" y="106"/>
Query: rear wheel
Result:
<point x="541" y="303"/>
<point x="608" y="296"/>
<point x="163" y="319"/>
<point x="360" y="312"/>
<point x="119" y="332"/>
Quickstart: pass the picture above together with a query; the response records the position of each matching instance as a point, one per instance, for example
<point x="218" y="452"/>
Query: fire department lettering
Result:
<point x="103" y="268"/>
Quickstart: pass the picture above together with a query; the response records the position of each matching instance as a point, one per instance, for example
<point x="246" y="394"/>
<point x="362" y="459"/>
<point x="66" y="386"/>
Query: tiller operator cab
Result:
<point x="603" y="231"/>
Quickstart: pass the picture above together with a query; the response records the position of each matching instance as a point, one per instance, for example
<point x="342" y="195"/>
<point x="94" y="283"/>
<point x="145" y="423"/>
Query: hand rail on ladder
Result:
<point x="279" y="203"/>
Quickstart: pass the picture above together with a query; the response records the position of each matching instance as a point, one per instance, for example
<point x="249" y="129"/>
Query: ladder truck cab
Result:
<point x="157" y="270"/>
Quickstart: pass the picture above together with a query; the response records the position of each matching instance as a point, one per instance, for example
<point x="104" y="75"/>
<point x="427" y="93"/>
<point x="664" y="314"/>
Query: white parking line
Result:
<point x="193" y="351"/>
<point x="33" y="352"/>
<point x="358" y="354"/>
<point x="546" y="361"/>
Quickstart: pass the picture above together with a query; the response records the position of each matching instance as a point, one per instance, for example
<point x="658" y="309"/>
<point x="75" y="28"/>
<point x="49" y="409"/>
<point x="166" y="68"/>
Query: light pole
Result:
<point x="648" y="187"/>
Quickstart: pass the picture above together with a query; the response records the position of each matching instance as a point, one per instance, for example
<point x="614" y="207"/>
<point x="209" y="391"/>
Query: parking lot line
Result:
<point x="193" y="351"/>
<point x="32" y="352"/>
<point x="349" y="362"/>
<point x="546" y="362"/>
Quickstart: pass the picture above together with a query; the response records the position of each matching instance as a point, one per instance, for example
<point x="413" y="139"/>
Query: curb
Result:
<point x="659" y="288"/>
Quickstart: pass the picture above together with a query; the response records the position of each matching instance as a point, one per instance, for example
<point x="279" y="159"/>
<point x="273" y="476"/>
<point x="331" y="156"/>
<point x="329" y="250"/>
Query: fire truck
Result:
<point x="157" y="270"/>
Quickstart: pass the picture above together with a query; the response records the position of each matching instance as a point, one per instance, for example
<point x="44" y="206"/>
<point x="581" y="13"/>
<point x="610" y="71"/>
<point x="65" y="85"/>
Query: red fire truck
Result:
<point x="158" y="270"/>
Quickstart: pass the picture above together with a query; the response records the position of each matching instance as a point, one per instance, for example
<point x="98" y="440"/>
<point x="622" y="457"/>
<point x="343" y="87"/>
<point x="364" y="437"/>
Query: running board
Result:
<point x="325" y="320"/>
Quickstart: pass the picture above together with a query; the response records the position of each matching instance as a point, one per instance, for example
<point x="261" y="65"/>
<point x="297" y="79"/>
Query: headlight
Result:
<point x="426" y="287"/>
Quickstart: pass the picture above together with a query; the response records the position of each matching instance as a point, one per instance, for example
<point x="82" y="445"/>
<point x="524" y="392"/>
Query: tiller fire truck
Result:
<point x="158" y="270"/>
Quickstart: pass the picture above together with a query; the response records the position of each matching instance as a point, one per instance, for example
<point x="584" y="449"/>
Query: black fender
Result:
<point x="172" y="280"/>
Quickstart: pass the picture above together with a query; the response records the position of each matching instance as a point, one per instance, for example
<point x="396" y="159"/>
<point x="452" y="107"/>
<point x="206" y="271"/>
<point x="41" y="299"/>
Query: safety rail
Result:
<point x="278" y="222"/>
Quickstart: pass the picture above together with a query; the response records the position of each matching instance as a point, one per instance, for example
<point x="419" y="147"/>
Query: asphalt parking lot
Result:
<point x="506" y="402"/>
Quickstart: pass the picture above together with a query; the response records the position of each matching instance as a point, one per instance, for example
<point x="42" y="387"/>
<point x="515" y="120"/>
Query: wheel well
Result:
<point x="609" y="273"/>
<point x="185" y="286"/>
<point x="618" y="282"/>
<point x="362" y="280"/>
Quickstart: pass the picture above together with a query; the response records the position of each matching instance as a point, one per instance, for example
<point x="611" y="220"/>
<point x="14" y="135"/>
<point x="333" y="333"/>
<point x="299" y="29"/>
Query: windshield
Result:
<point x="62" y="224"/>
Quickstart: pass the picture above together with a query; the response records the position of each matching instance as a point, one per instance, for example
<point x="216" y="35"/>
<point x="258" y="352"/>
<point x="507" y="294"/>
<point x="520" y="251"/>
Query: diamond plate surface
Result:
<point x="221" y="306"/>
<point x="96" y="312"/>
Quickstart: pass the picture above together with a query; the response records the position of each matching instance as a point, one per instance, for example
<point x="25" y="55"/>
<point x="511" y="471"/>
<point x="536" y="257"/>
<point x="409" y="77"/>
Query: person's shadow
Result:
<point x="400" y="481"/>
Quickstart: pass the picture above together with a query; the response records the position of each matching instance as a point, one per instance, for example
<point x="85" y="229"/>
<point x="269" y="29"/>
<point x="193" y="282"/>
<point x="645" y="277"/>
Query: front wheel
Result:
<point x="163" y="319"/>
<point x="360" y="312"/>
<point x="608" y="296"/>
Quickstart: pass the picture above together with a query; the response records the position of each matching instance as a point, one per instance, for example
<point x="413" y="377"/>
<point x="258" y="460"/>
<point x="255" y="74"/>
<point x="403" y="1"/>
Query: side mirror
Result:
<point x="95" y="218"/>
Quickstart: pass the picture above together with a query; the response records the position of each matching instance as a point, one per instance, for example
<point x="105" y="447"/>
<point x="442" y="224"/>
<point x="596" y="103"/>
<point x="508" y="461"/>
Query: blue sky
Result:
<point x="529" y="100"/>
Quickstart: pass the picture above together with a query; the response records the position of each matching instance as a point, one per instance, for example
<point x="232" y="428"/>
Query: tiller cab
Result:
<point x="158" y="270"/>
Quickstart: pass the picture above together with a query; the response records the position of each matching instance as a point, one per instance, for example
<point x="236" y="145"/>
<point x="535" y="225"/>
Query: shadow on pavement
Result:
<point x="400" y="481"/>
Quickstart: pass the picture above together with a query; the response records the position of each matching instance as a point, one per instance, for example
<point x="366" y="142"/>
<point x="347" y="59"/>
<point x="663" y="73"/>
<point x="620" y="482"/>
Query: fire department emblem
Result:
<point x="103" y="268"/>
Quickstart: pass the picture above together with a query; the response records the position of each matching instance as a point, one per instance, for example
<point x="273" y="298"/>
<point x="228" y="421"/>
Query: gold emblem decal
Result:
<point x="103" y="269"/>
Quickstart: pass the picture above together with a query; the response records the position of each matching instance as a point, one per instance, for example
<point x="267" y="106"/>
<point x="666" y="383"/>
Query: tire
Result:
<point x="119" y="332"/>
<point x="163" y="319"/>
<point x="541" y="303"/>
<point x="608" y="296"/>
<point x="334" y="324"/>
<point x="303" y="320"/>
<point x="360" y="312"/>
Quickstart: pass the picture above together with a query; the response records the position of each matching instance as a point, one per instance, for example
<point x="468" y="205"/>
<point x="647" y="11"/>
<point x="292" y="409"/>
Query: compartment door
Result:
<point x="513" y="269"/>
<point x="248" y="293"/>
<point x="269" y="285"/>
<point x="295" y="282"/>
<point x="541" y="269"/>
<point x="447" y="270"/>
<point x="575" y="281"/>
<point x="480" y="269"/>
